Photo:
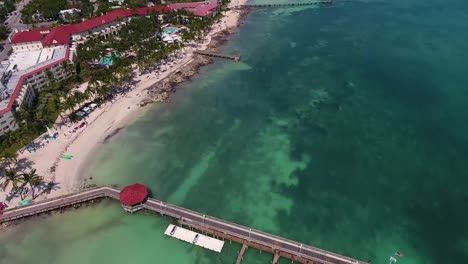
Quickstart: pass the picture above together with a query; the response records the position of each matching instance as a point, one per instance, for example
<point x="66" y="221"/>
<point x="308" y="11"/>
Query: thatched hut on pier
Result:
<point x="132" y="197"/>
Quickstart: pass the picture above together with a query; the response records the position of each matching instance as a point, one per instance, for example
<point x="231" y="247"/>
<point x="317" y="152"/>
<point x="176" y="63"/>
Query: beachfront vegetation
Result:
<point x="61" y="99"/>
<point x="32" y="179"/>
<point x="45" y="8"/>
<point x="48" y="10"/>
<point x="134" y="38"/>
<point x="21" y="183"/>
<point x="137" y="46"/>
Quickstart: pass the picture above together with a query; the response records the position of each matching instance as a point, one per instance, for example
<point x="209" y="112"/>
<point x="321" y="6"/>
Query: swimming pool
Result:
<point x="169" y="30"/>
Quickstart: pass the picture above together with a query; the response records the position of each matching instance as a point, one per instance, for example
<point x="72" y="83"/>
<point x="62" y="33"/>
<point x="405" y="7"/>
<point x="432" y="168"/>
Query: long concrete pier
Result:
<point x="278" y="246"/>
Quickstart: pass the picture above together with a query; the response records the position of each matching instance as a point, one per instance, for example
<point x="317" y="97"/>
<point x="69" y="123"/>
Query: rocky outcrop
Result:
<point x="160" y="91"/>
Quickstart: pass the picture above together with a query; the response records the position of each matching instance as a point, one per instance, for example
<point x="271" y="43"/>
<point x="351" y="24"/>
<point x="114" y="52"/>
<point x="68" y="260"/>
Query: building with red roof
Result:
<point x="201" y="9"/>
<point x="46" y="49"/>
<point x="29" y="40"/>
<point x="33" y="35"/>
<point x="57" y="36"/>
<point x="61" y="35"/>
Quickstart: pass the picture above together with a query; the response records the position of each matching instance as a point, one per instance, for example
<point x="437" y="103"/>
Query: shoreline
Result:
<point x="106" y="121"/>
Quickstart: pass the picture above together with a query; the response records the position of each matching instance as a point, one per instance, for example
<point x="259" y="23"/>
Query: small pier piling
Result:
<point x="235" y="58"/>
<point x="275" y="258"/>
<point x="240" y="257"/>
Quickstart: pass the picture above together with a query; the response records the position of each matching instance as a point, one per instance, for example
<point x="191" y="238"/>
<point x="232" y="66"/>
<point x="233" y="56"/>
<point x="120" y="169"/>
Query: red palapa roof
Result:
<point x="61" y="35"/>
<point x="133" y="194"/>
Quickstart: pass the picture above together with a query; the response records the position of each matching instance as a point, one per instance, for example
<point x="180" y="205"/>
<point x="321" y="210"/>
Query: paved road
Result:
<point x="14" y="24"/>
<point x="190" y="217"/>
<point x="4" y="53"/>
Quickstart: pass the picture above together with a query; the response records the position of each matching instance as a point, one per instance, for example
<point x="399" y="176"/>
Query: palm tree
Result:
<point x="11" y="137"/>
<point x="69" y="103"/>
<point x="19" y="116"/>
<point x="92" y="88"/>
<point x="8" y="157"/>
<point x="12" y="177"/>
<point x="79" y="97"/>
<point x="32" y="179"/>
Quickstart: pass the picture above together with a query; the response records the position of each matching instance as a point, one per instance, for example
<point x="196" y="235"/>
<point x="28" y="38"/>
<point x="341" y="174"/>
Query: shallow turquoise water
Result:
<point x="348" y="133"/>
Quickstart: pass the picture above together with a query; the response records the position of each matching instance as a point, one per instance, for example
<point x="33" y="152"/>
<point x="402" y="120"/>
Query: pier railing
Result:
<point x="57" y="203"/>
<point x="188" y="217"/>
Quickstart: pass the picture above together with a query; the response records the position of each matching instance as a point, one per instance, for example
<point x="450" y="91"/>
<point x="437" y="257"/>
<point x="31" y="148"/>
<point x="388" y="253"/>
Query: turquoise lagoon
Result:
<point x="342" y="127"/>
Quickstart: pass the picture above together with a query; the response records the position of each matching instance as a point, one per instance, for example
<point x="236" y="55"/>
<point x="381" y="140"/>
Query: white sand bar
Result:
<point x="189" y="236"/>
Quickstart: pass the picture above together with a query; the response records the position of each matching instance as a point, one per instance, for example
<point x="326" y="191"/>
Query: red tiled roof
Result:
<point x="28" y="36"/>
<point x="185" y="5"/>
<point x="112" y="16"/>
<point x="206" y="9"/>
<point x="61" y="34"/>
<point x="24" y="76"/>
<point x="57" y="36"/>
<point x="196" y="8"/>
<point x="133" y="194"/>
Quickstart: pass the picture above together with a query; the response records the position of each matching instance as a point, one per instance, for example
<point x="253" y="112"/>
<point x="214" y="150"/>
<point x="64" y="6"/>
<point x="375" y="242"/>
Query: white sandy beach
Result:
<point x="101" y="123"/>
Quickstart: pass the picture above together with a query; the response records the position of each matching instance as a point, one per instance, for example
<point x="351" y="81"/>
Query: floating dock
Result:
<point x="194" y="238"/>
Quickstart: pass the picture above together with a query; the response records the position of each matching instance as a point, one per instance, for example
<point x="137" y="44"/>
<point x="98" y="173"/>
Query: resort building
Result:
<point x="28" y="40"/>
<point x="64" y="14"/>
<point x="39" y="54"/>
<point x="24" y="74"/>
<point x="201" y="9"/>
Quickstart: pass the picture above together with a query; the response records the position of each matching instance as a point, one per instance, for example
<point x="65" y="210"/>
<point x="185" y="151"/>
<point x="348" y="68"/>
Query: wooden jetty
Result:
<point x="218" y="55"/>
<point x="278" y="246"/>
<point x="322" y="2"/>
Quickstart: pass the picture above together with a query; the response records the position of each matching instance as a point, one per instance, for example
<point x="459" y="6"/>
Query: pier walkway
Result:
<point x="218" y="55"/>
<point x="322" y="2"/>
<point x="218" y="228"/>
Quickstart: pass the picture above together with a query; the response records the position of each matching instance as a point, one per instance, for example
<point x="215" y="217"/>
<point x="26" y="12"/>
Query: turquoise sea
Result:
<point x="342" y="127"/>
